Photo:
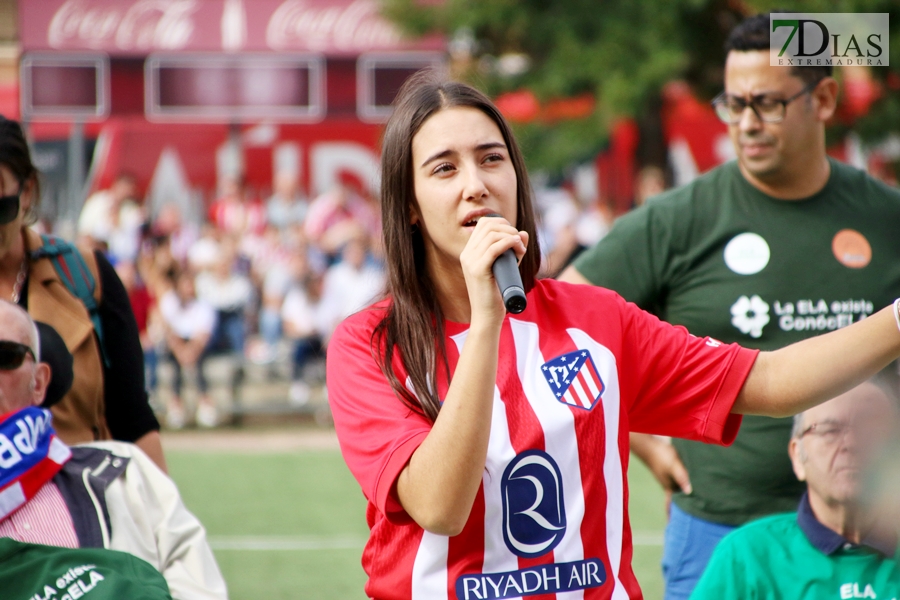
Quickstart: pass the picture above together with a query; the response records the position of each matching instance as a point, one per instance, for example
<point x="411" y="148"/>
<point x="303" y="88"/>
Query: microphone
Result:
<point x="509" y="280"/>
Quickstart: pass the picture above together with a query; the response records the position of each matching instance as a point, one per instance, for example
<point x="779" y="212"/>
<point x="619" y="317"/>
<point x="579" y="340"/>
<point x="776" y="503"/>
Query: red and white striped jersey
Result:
<point x="578" y="370"/>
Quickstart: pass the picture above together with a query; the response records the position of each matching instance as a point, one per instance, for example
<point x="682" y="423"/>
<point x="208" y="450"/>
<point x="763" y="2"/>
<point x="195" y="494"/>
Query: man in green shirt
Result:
<point x="779" y="246"/>
<point x="38" y="572"/>
<point x="834" y="546"/>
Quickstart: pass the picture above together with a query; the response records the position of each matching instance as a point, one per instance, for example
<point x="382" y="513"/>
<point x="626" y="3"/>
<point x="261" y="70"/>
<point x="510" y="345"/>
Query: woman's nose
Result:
<point x="474" y="187"/>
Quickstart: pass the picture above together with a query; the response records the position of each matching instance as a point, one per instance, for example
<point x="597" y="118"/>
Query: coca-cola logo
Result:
<point x="145" y="25"/>
<point x="354" y="27"/>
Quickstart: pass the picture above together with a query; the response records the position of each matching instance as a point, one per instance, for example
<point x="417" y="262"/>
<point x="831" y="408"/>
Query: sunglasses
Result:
<point x="9" y="208"/>
<point x="12" y="355"/>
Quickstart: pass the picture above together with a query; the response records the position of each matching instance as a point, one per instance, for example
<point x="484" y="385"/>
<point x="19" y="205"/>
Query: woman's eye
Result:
<point x="493" y="158"/>
<point x="442" y="168"/>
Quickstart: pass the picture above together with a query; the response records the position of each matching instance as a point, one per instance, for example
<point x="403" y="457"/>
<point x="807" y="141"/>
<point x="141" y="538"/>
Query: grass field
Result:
<point x="291" y="525"/>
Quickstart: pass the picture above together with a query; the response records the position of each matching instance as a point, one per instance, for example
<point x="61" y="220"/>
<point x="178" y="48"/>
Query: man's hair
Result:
<point x="753" y="34"/>
<point x="35" y="342"/>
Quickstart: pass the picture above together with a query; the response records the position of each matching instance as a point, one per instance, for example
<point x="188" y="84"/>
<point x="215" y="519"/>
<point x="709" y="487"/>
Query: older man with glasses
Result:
<point x="98" y="495"/>
<point x="837" y="545"/>
<point x="780" y="245"/>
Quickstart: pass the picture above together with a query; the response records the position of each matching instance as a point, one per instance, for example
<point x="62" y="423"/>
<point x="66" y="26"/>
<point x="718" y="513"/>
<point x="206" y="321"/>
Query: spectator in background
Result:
<point x="143" y="304"/>
<point x="235" y="212"/>
<point x="350" y="285"/>
<point x="286" y="206"/>
<point x="650" y="181"/>
<point x="111" y="220"/>
<point x="834" y="545"/>
<point x="156" y="266"/>
<point x="101" y="494"/>
<point x="558" y="216"/>
<point x="275" y="269"/>
<point x="230" y="293"/>
<point x="170" y="224"/>
<point x="568" y="227"/>
<point x="299" y="314"/>
<point x="204" y="252"/>
<point x="188" y="324"/>
<point x="338" y="216"/>
<point x="782" y="245"/>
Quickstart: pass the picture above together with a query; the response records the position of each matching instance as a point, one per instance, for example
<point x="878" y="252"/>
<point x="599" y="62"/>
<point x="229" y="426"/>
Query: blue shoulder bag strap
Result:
<point x="74" y="273"/>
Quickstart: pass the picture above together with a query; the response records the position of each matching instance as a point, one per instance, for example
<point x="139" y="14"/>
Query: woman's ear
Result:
<point x="26" y="195"/>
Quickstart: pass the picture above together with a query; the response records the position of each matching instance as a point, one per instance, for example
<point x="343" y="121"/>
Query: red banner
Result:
<point x="141" y="27"/>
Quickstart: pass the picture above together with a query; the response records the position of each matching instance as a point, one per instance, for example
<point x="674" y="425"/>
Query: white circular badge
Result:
<point x="747" y="253"/>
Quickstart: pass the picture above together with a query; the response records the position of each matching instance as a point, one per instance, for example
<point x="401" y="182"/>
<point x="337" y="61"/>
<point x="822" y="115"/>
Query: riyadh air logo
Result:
<point x="750" y="315"/>
<point x="534" y="514"/>
<point x="574" y="379"/>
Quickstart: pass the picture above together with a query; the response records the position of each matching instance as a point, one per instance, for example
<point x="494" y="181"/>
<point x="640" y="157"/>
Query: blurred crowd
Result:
<point x="256" y="277"/>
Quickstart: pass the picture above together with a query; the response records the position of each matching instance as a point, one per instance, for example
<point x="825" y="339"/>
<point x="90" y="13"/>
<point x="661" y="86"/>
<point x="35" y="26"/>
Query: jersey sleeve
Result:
<point x="377" y="432"/>
<point x="677" y="384"/>
<point x="631" y="259"/>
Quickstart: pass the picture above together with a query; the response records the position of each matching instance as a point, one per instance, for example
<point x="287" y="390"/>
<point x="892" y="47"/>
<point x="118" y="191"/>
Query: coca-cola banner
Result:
<point x="139" y="27"/>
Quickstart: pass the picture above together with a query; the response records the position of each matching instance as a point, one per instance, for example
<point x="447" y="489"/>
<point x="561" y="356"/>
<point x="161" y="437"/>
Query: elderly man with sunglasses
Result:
<point x="837" y="544"/>
<point x="780" y="245"/>
<point x="97" y="495"/>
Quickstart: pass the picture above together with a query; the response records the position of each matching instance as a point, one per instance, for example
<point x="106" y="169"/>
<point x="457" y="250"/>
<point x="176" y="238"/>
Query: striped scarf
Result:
<point x="30" y="455"/>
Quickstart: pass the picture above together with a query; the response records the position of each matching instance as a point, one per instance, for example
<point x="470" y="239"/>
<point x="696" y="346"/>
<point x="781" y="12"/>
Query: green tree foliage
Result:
<point x="621" y="51"/>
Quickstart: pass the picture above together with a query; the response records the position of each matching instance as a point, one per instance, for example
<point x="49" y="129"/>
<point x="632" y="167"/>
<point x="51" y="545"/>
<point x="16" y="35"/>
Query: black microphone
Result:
<point x="509" y="280"/>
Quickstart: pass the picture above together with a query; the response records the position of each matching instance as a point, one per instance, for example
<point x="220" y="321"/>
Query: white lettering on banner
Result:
<point x="30" y="430"/>
<point x="349" y="28"/>
<point x="9" y="456"/>
<point x="145" y="25"/>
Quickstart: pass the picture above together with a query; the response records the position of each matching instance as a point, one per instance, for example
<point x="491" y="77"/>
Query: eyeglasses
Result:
<point x="12" y="355"/>
<point x="9" y="208"/>
<point x="767" y="109"/>
<point x="832" y="432"/>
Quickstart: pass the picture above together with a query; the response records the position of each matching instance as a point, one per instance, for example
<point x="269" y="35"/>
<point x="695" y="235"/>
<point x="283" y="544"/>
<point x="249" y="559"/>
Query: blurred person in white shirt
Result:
<point x="230" y="293"/>
<point x="188" y="323"/>
<point x="286" y="206"/>
<point x="338" y="216"/>
<point x="302" y="325"/>
<point x="169" y="222"/>
<point x="349" y="285"/>
<point x="111" y="220"/>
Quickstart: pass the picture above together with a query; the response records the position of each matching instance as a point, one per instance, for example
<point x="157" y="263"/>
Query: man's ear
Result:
<point x="825" y="98"/>
<point x="795" y="451"/>
<point x="42" y="376"/>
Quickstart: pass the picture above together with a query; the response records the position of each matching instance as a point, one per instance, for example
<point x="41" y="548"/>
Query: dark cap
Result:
<point x="55" y="354"/>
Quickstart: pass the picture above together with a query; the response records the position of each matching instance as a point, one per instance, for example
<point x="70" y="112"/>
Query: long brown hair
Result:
<point x="413" y="325"/>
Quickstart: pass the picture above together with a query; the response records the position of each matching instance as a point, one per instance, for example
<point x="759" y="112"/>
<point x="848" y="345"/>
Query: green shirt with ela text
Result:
<point x="727" y="261"/>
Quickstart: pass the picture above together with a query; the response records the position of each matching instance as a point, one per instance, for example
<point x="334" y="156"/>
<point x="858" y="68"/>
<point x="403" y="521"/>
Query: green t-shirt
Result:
<point x="772" y="559"/>
<point x="727" y="261"/>
<point x="36" y="572"/>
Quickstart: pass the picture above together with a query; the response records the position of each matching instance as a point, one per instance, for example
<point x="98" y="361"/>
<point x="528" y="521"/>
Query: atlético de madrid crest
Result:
<point x="574" y="379"/>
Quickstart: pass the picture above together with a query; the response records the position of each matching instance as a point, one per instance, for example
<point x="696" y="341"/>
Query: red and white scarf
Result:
<point x="30" y="455"/>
